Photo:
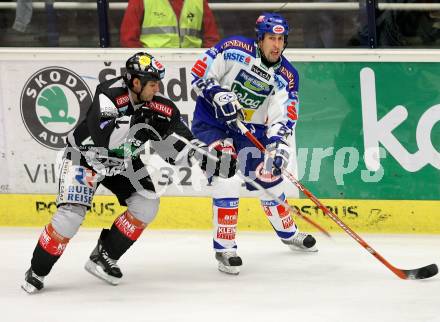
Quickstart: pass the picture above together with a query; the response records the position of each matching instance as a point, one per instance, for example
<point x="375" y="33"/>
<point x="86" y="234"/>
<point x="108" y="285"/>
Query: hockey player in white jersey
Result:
<point x="126" y="112"/>
<point x="249" y="80"/>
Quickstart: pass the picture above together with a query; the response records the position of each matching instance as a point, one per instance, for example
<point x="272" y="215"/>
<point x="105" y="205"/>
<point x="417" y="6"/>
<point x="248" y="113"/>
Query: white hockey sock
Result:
<point x="280" y="218"/>
<point x="225" y="211"/>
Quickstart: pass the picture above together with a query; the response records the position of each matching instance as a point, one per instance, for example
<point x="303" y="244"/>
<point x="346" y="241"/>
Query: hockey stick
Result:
<point x="410" y="274"/>
<point x="257" y="186"/>
<point x="293" y="210"/>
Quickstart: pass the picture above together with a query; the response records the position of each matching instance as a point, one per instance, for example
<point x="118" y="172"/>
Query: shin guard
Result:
<point x="124" y="232"/>
<point x="225" y="223"/>
<point x="49" y="249"/>
<point x="279" y="217"/>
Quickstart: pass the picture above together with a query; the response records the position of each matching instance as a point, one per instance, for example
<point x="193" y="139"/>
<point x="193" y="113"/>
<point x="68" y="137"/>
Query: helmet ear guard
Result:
<point x="273" y="23"/>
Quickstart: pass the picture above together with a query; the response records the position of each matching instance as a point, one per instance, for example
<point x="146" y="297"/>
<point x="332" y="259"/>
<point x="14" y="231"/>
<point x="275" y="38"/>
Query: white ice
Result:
<point x="172" y="276"/>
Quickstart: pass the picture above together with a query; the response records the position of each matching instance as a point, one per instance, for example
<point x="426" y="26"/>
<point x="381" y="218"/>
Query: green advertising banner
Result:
<point x="370" y="130"/>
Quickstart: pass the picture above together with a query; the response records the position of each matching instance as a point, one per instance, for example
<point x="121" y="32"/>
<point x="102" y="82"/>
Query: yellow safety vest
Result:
<point x="160" y="27"/>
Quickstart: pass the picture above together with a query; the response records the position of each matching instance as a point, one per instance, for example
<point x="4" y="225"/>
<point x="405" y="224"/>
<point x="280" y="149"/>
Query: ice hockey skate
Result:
<point x="228" y="262"/>
<point x="32" y="282"/>
<point x="102" y="266"/>
<point x="301" y="242"/>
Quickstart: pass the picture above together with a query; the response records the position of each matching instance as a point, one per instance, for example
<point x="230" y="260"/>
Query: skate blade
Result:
<point x="231" y="270"/>
<point x="312" y="249"/>
<point x="29" y="288"/>
<point x="97" y="271"/>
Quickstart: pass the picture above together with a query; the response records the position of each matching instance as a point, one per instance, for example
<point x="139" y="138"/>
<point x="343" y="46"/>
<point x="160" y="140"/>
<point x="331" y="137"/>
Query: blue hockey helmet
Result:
<point x="272" y="23"/>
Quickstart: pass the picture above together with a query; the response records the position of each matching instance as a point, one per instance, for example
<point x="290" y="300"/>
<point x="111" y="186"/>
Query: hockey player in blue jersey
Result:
<point x="251" y="81"/>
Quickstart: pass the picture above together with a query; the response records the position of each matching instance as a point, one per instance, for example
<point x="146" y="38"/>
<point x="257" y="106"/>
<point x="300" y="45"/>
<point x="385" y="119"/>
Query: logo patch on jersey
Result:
<point x="52" y="102"/>
<point x="256" y="85"/>
<point x="290" y="77"/>
<point x="122" y="100"/>
<point x="291" y="111"/>
<point x="250" y="91"/>
<point x="238" y="44"/>
<point x="234" y="56"/>
<point x="161" y="108"/>
<point x="199" y="68"/>
<point x="257" y="70"/>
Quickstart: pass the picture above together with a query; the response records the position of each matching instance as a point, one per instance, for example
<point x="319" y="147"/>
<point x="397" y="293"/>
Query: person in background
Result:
<point x="321" y="28"/>
<point x="250" y="80"/>
<point x="23" y="15"/>
<point x="168" y="24"/>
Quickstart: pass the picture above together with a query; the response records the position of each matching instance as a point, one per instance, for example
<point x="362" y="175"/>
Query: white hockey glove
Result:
<point x="227" y="109"/>
<point x="223" y="163"/>
<point x="278" y="150"/>
<point x="277" y="157"/>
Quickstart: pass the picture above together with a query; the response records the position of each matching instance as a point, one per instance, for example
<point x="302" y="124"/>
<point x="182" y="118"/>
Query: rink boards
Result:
<point x="372" y="216"/>
<point x="367" y="141"/>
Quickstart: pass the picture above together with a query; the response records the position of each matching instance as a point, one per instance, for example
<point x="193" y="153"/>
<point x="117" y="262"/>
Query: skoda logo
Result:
<point x="52" y="103"/>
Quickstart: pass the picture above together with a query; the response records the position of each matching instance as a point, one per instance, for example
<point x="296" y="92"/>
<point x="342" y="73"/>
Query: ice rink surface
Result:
<point x="172" y="276"/>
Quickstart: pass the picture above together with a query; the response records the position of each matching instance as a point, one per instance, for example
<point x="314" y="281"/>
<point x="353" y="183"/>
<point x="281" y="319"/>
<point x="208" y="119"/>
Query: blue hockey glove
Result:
<point x="227" y="109"/>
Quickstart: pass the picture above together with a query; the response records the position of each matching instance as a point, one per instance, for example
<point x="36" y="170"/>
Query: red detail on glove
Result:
<point x="128" y="225"/>
<point x="224" y="147"/>
<point x="264" y="175"/>
<point x="52" y="242"/>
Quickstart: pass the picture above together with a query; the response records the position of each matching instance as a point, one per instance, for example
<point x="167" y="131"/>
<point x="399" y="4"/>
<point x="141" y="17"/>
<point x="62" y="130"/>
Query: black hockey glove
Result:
<point x="150" y="125"/>
<point x="222" y="163"/>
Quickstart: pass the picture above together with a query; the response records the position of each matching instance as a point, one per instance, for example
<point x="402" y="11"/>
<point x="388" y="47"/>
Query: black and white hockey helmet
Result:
<point x="145" y="67"/>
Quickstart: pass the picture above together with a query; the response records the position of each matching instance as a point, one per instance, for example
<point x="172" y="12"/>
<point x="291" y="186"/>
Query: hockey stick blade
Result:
<point x="420" y="273"/>
<point x="412" y="274"/>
